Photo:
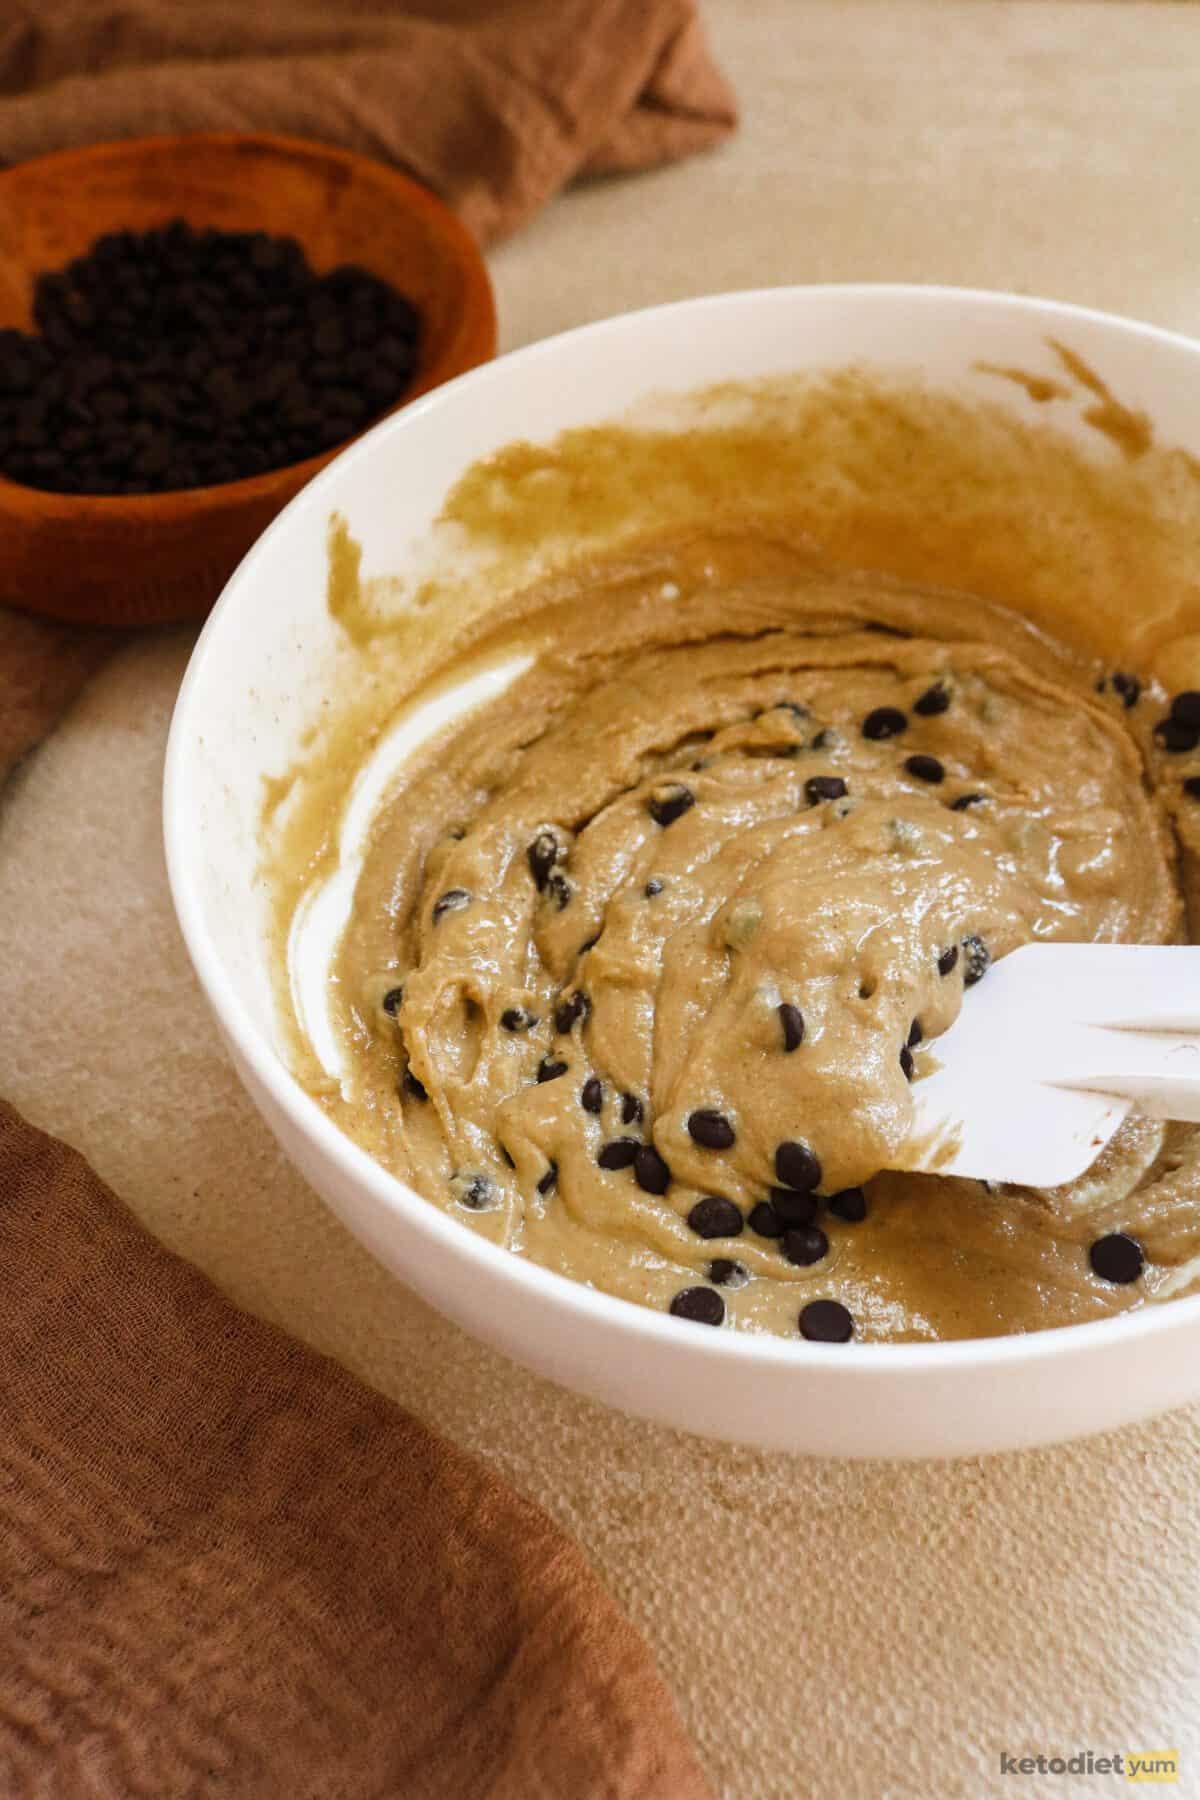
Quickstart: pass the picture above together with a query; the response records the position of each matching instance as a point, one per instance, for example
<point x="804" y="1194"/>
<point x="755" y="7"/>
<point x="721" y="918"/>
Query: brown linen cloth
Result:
<point x="228" y="1569"/>
<point x="495" y="104"/>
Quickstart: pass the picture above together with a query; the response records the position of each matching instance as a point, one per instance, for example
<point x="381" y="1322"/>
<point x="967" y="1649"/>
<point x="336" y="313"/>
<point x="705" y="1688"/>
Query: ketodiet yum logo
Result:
<point x="1127" y="1765"/>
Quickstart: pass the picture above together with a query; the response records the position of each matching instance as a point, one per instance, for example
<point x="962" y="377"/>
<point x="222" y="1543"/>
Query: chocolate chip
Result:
<point x="577" y="1006"/>
<point x="976" y="959"/>
<point x="632" y="1110"/>
<point x="947" y="960"/>
<point x="1191" y="787"/>
<point x="764" y="1220"/>
<point x="966" y="800"/>
<point x="392" y="1001"/>
<point x="619" y="1153"/>
<point x="826" y="1322"/>
<point x="825" y="739"/>
<point x="792" y="1021"/>
<point x="703" y="1304"/>
<point x="804" y="1244"/>
<point x="591" y="1094"/>
<point x="670" y="802"/>
<point x="915" y="1034"/>
<point x="414" y="1087"/>
<point x="1176" y="736"/>
<point x="906" y="1062"/>
<point x="711" y="1130"/>
<point x="550" y="1068"/>
<point x="1185" y="708"/>
<point x="714" y="1217"/>
<point x="849" y="1205"/>
<point x="925" y="768"/>
<point x="884" y="722"/>
<point x="650" y="1171"/>
<point x="517" y="1018"/>
<point x="542" y="855"/>
<point x="1117" y="1258"/>
<point x="549" y="1179"/>
<point x="934" y="700"/>
<point x="652" y="888"/>
<point x="453" y="900"/>
<point x="1127" y="686"/>
<point x="797" y="1166"/>
<point x="558" y="889"/>
<point x="724" y="1272"/>
<point x="824" y="787"/>
<point x="472" y="1190"/>
<point x="793" y="1208"/>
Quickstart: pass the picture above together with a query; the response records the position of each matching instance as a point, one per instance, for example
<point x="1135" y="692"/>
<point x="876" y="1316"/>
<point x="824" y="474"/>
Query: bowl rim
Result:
<point x="640" y="1324"/>
<point x="474" y="327"/>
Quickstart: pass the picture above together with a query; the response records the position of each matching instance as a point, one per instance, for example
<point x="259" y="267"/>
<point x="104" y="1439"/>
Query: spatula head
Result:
<point x="994" y="1104"/>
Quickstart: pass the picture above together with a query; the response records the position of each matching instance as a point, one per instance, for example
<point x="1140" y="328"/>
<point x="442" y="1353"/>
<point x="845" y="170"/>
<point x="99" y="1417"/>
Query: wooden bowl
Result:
<point x="154" y="558"/>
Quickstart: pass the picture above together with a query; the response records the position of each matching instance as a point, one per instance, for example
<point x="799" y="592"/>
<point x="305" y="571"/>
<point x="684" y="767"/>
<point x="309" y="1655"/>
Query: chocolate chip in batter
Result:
<point x="518" y="1018"/>
<point x="414" y="1087"/>
<point x="550" y="1068"/>
<point x="824" y="787"/>
<point x="559" y="889"/>
<point x="724" y="1272"/>
<point x="804" y="1245"/>
<point x="1127" y="687"/>
<point x="967" y="800"/>
<point x="1191" y="787"/>
<point x="542" y="855"/>
<point x="925" y="768"/>
<point x="715" y="1217"/>
<point x="797" y="1166"/>
<point x="1176" y="735"/>
<point x="947" y="960"/>
<point x="591" y="1094"/>
<point x="792" y="1208"/>
<point x="619" y="1153"/>
<point x="670" y="802"/>
<point x="472" y="1189"/>
<point x="764" y="1220"/>
<point x="850" y="1205"/>
<point x="575" y="1007"/>
<point x="792" y="1021"/>
<point x="1186" y="707"/>
<point x="711" y="1130"/>
<point x="652" y="888"/>
<point x="392" y="1001"/>
<point x="650" y="1171"/>
<point x="549" y="1179"/>
<point x="703" y="1304"/>
<point x="934" y="700"/>
<point x="906" y="1062"/>
<point x="1118" y="1258"/>
<point x="632" y="1110"/>
<point x="826" y="1322"/>
<point x="884" y="722"/>
<point x="915" y="1034"/>
<point x="976" y="959"/>
<point x="453" y="900"/>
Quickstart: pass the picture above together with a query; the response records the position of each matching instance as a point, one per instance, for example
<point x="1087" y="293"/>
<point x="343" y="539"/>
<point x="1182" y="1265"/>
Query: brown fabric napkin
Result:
<point x="493" y="103"/>
<point x="228" y="1569"/>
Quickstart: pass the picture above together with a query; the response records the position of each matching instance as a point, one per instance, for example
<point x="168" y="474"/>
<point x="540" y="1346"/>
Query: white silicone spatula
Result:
<point x="1051" y="1051"/>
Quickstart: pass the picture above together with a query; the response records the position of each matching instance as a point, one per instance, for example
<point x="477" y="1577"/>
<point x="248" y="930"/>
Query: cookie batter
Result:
<point x="646" y="954"/>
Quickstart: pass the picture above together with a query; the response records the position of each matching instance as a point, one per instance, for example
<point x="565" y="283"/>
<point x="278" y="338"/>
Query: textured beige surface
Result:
<point x="829" y="1628"/>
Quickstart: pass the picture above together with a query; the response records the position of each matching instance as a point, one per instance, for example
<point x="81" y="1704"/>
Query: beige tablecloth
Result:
<point x="829" y="1628"/>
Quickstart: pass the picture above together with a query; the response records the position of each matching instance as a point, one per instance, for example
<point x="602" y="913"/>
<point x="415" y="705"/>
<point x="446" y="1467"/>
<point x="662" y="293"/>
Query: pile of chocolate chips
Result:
<point x="177" y="358"/>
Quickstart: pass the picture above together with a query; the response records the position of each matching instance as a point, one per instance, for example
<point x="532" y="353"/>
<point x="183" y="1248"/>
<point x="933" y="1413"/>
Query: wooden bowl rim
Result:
<point x="472" y="341"/>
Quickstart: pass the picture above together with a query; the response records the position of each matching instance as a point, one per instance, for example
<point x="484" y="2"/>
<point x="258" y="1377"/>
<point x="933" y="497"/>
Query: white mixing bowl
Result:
<point x="252" y="686"/>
